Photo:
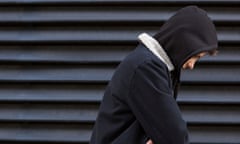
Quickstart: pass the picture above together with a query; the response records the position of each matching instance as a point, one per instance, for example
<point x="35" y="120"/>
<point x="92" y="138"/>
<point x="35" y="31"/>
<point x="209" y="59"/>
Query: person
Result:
<point x="139" y="105"/>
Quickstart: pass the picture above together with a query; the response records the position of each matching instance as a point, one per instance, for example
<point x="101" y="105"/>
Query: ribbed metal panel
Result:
<point x="56" y="57"/>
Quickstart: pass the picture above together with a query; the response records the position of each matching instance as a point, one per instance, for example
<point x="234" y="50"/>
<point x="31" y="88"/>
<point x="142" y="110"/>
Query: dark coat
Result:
<point x="139" y="102"/>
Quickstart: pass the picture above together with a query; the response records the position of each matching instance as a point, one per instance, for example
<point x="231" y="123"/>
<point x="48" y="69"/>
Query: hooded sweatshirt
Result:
<point x="139" y="103"/>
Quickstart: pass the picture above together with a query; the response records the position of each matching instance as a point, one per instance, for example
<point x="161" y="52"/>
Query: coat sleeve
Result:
<point x="152" y="102"/>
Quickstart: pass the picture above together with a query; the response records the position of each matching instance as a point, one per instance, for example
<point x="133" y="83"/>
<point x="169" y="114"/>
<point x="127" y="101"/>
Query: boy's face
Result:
<point x="189" y="64"/>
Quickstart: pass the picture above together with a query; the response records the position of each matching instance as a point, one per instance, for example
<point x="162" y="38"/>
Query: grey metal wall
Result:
<point x="56" y="57"/>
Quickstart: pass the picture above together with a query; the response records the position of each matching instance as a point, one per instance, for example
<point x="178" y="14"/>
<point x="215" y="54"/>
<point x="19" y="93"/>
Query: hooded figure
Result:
<point x="139" y="103"/>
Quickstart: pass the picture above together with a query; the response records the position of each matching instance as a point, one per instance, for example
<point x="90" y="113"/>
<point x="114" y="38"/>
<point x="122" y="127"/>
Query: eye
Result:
<point x="197" y="57"/>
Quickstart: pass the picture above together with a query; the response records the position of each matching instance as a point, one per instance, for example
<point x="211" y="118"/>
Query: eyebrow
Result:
<point x="199" y="56"/>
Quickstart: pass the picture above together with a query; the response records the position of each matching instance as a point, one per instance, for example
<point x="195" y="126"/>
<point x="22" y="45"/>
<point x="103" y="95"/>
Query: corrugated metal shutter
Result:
<point x="56" y="57"/>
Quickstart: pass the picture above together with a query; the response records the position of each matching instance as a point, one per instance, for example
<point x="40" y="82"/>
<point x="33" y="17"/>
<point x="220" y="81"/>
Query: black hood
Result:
<point x="187" y="33"/>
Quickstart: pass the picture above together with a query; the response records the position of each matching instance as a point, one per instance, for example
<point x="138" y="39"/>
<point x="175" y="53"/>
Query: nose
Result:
<point x="191" y="65"/>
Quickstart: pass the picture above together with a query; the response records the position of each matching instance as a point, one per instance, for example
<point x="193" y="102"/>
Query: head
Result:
<point x="188" y="34"/>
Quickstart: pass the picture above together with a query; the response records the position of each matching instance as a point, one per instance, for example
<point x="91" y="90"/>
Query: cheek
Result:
<point x="190" y="63"/>
<point x="185" y="64"/>
<point x="192" y="60"/>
